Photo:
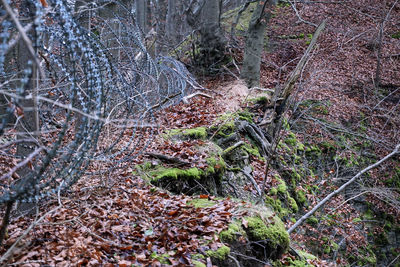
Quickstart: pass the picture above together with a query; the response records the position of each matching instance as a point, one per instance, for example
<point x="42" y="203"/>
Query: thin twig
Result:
<point x="22" y="163"/>
<point x="11" y="249"/>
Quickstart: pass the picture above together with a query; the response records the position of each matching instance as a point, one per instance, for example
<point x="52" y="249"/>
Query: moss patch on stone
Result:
<point x="274" y="233"/>
<point x="198" y="263"/>
<point x="312" y="220"/>
<point x="195" y="133"/>
<point x="219" y="254"/>
<point x="293" y="204"/>
<point x="306" y="255"/>
<point x="201" y="203"/>
<point x="215" y="165"/>
<point x="301" y="197"/>
<point x="245" y="115"/>
<point x="175" y="173"/>
<point x="229" y="235"/>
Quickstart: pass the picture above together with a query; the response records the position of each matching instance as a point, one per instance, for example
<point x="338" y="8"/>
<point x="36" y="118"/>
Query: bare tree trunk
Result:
<point x="28" y="124"/>
<point x="255" y="42"/>
<point x="171" y="29"/>
<point x="141" y="9"/>
<point x="212" y="41"/>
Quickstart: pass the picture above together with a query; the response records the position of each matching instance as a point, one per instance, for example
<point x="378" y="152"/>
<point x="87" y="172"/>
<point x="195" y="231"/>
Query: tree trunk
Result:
<point x="212" y="41"/>
<point x="171" y="29"/>
<point x="28" y="125"/>
<point x="255" y="42"/>
<point x="141" y="9"/>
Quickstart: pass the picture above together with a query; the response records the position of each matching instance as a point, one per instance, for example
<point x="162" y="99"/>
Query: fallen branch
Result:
<point x="255" y="133"/>
<point x="251" y="178"/>
<point x="340" y="189"/>
<point x="11" y="249"/>
<point x="231" y="148"/>
<point x="167" y="158"/>
<point x="186" y="98"/>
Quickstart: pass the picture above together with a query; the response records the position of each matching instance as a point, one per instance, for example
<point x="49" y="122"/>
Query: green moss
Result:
<point x="195" y="133"/>
<point x="300" y="146"/>
<point x="295" y="175"/>
<point x="229" y="235"/>
<point x="293" y="204"/>
<point x="388" y="226"/>
<point x="396" y="35"/>
<point x="198" y="263"/>
<point x="163" y="258"/>
<point x="198" y="256"/>
<point x="229" y="17"/>
<point x="334" y="246"/>
<point x="273" y="191"/>
<point x="282" y="188"/>
<point x="368" y="215"/>
<point x="367" y="257"/>
<point x="175" y="173"/>
<point x="276" y="205"/>
<point x="215" y="165"/>
<point x="306" y="255"/>
<point x="147" y="166"/>
<point x="225" y="129"/>
<point x="312" y="220"/>
<point x="230" y="149"/>
<point x="252" y="151"/>
<point x="381" y="239"/>
<point x="245" y="116"/>
<point x="292" y="36"/>
<point x="198" y="133"/>
<point x="201" y="203"/>
<point x="219" y="254"/>
<point x="274" y="233"/>
<point x="259" y="100"/>
<point x="301" y="197"/>
<point x="299" y="263"/>
<point x="291" y="139"/>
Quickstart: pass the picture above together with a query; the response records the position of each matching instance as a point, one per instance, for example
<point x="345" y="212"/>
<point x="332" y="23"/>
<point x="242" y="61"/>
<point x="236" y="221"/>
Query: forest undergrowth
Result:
<point x="339" y="122"/>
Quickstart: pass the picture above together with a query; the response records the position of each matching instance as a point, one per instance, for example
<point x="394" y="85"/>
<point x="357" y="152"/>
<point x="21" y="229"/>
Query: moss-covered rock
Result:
<point x="312" y="220"/>
<point x="175" y="173"/>
<point x="219" y="254"/>
<point x="198" y="263"/>
<point x="301" y="197"/>
<point x="195" y="133"/>
<point x="201" y="203"/>
<point x="273" y="234"/>
<point x="229" y="235"/>
<point x="293" y="204"/>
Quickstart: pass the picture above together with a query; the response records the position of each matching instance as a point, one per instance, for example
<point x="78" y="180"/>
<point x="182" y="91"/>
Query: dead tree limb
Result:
<point x="167" y="158"/>
<point x="280" y="97"/>
<point x="340" y="189"/>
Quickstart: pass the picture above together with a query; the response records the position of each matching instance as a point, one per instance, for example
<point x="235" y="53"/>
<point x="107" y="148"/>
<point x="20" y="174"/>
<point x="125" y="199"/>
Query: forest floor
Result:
<point x="118" y="219"/>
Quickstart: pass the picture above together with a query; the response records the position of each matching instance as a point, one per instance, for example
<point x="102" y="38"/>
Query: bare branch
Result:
<point x="22" y="163"/>
<point x="340" y="189"/>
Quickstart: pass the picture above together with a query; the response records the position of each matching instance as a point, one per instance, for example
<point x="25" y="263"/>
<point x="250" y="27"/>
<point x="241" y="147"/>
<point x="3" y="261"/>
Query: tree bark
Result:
<point x="255" y="42"/>
<point x="141" y="10"/>
<point x="212" y="41"/>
